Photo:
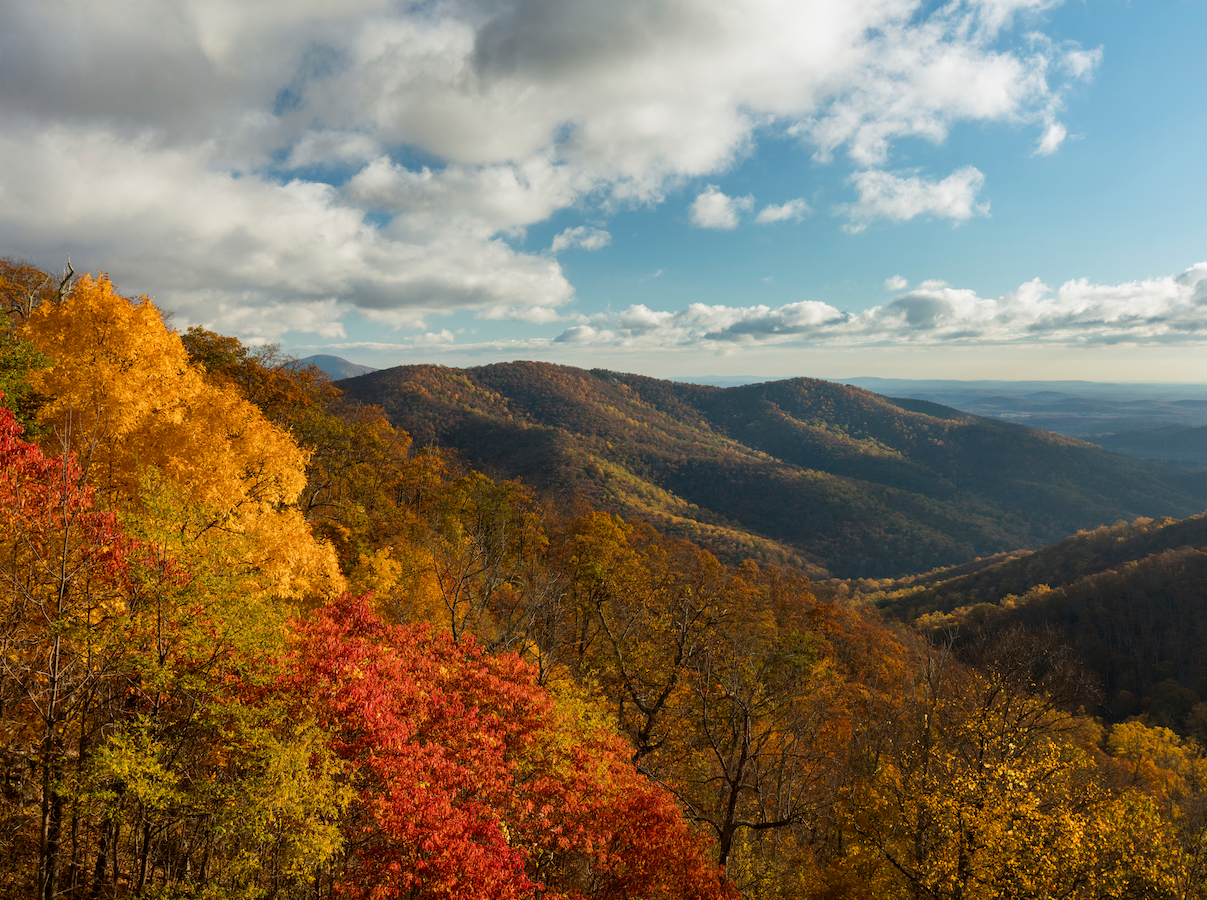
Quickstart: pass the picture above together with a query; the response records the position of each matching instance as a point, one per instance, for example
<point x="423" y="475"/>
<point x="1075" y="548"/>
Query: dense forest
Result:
<point x="825" y="476"/>
<point x="257" y="642"/>
<point x="1130" y="598"/>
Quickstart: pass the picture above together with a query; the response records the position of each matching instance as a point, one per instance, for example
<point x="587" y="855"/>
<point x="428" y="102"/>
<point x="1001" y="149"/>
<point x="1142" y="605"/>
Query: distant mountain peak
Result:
<point x="336" y="367"/>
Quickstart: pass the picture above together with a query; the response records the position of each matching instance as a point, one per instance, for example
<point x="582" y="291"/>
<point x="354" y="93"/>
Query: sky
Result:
<point x="976" y="189"/>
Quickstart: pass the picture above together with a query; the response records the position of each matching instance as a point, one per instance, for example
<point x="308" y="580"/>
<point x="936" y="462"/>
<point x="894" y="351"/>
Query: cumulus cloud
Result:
<point x="581" y="236"/>
<point x="533" y="315"/>
<point x="1154" y="311"/>
<point x="325" y="148"/>
<point x="793" y="210"/>
<point x="247" y="254"/>
<point x="712" y="209"/>
<point x="373" y="155"/>
<point x="583" y="334"/>
<point x="434" y="338"/>
<point x="896" y="283"/>
<point x="901" y="198"/>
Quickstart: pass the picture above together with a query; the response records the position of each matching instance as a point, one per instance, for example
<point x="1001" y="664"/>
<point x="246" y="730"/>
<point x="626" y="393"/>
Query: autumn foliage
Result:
<point x="473" y="783"/>
<point x="514" y="700"/>
<point x="126" y="399"/>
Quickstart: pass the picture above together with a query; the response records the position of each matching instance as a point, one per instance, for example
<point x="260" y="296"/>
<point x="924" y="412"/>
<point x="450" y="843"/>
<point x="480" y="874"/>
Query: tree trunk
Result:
<point x="142" y="863"/>
<point x="102" y="861"/>
<point x="53" y="831"/>
<point x="728" y="826"/>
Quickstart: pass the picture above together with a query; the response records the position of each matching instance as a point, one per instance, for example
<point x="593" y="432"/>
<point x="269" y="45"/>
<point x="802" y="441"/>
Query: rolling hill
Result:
<point x="831" y="476"/>
<point x="1171" y="444"/>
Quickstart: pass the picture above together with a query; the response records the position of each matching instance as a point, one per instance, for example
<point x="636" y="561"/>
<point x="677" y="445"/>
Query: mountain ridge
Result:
<point x="812" y="472"/>
<point x="1129" y="598"/>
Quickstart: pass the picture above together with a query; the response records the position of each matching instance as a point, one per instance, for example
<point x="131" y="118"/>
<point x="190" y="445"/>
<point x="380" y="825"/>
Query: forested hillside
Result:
<point x="1130" y="598"/>
<point x="798" y="470"/>
<point x="255" y="644"/>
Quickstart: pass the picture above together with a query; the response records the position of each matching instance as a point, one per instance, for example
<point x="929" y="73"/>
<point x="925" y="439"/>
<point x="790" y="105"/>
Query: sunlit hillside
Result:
<point x="796" y="470"/>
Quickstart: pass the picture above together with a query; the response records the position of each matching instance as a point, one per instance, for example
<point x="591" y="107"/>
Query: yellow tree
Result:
<point x="1173" y="772"/>
<point x="982" y="787"/>
<point x="124" y="396"/>
<point x="220" y="783"/>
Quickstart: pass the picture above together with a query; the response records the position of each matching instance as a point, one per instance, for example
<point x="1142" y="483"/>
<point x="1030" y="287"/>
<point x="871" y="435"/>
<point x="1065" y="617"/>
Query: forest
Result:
<point x="256" y="641"/>
<point x="823" y="476"/>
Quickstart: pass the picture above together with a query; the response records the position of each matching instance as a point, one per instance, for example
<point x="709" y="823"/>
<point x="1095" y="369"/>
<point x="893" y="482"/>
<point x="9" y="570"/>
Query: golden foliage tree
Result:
<point x="125" y="397"/>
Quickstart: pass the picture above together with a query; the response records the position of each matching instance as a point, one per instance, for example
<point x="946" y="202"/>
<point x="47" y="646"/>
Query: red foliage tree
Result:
<point x="473" y="784"/>
<point x="58" y="559"/>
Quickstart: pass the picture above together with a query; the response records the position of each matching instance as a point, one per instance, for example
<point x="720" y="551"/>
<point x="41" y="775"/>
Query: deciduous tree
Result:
<point x="471" y="782"/>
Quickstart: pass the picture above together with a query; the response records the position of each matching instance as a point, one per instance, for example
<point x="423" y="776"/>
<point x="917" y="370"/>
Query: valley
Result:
<point x="573" y="633"/>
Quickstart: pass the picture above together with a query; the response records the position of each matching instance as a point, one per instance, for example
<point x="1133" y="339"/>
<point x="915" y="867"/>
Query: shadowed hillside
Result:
<point x="826" y="473"/>
<point x="1131" y="598"/>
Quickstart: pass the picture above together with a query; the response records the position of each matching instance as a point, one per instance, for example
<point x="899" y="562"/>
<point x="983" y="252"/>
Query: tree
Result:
<point x="473" y="784"/>
<point x="1173" y="773"/>
<point x="136" y="667"/>
<point x="985" y="787"/>
<point x="24" y="287"/>
<point x="60" y="583"/>
<point x="724" y="681"/>
<point x="760" y="758"/>
<point x="219" y="781"/>
<point x="123" y="395"/>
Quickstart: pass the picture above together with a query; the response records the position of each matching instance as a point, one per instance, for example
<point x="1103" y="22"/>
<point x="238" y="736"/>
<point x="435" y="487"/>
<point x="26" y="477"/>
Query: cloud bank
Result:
<point x="1168" y="310"/>
<point x="270" y="166"/>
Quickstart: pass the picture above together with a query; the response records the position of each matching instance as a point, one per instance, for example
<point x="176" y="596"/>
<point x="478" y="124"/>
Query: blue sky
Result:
<point x="978" y="189"/>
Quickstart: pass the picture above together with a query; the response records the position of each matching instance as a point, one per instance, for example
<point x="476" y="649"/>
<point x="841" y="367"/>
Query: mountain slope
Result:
<point x="1131" y="598"/>
<point x="1172" y="444"/>
<point x="834" y="475"/>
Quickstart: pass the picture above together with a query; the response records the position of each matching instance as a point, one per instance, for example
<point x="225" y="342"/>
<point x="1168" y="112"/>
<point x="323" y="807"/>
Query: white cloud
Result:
<point x="1167" y="310"/>
<point x="1054" y="135"/>
<point x="173" y="137"/>
<point x="533" y="315"/>
<point x="1080" y="64"/>
<point x="896" y="283"/>
<point x="434" y="338"/>
<point x="712" y="209"/>
<point x="793" y="210"/>
<point x="885" y="195"/>
<point x="583" y="334"/>
<point x="486" y="199"/>
<point x="581" y="236"/>
<point x="318" y="148"/>
<point x="240" y="253"/>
